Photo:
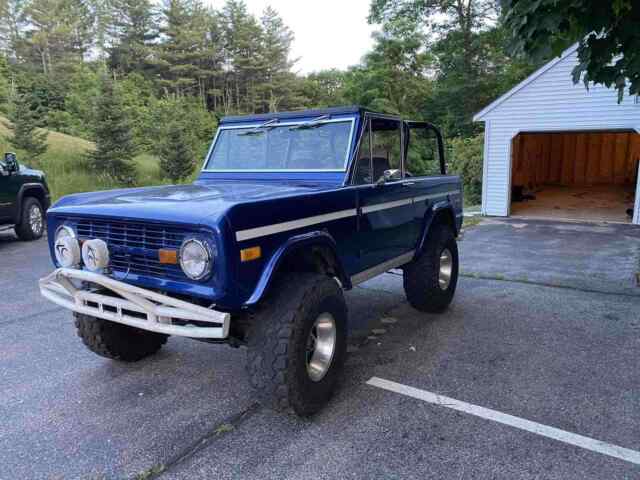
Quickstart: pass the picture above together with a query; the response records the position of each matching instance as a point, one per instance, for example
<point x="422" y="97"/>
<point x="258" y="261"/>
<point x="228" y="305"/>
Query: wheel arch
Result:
<point x="439" y="213"/>
<point x="310" y="252"/>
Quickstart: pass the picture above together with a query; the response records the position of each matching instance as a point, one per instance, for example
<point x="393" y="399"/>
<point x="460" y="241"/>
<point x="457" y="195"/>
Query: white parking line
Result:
<point x="516" y="422"/>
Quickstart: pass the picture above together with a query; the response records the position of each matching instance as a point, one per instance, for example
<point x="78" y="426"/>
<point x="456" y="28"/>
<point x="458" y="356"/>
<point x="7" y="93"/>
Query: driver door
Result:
<point x="7" y="196"/>
<point x="385" y="214"/>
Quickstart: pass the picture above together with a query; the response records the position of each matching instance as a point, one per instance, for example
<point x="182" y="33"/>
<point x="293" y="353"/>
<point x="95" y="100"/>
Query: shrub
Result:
<point x="465" y="159"/>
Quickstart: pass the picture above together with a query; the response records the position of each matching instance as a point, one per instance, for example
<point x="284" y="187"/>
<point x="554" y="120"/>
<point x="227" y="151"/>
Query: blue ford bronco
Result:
<point x="290" y="210"/>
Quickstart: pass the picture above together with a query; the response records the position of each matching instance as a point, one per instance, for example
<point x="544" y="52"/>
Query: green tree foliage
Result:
<point x="278" y="83"/>
<point x="324" y="88"/>
<point x="115" y="149"/>
<point x="607" y="32"/>
<point x="172" y="67"/>
<point x="393" y="76"/>
<point x="465" y="60"/>
<point x="177" y="160"/>
<point x="60" y="33"/>
<point x="167" y="111"/>
<point x="133" y="29"/>
<point x="74" y="111"/>
<point x="5" y="84"/>
<point x="24" y="128"/>
<point x="465" y="159"/>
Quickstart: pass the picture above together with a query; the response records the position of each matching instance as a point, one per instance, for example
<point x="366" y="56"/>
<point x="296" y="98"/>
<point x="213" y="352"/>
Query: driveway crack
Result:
<point x="500" y="278"/>
<point x="222" y="428"/>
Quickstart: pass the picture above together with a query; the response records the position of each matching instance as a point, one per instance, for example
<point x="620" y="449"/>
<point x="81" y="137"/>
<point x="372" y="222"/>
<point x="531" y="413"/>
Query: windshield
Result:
<point x="312" y="145"/>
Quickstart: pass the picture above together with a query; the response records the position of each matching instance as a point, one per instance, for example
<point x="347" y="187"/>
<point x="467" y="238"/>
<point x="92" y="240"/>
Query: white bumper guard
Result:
<point x="138" y="307"/>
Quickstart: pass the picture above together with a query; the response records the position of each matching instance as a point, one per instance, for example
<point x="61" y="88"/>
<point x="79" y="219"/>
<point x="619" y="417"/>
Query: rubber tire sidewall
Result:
<point x="420" y="277"/>
<point x="23" y="229"/>
<point x="277" y="340"/>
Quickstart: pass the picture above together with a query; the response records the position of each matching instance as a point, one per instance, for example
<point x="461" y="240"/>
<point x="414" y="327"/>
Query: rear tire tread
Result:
<point x="420" y="278"/>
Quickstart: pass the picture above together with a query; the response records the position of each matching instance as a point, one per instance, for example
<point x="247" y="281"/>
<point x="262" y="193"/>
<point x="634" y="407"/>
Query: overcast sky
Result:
<point x="328" y="33"/>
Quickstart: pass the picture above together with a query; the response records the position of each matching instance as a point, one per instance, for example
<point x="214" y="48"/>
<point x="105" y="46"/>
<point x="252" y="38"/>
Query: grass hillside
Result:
<point x="66" y="167"/>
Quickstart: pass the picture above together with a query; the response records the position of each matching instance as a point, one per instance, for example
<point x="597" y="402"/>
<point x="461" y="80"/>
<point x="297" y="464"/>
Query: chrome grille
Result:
<point x="133" y="246"/>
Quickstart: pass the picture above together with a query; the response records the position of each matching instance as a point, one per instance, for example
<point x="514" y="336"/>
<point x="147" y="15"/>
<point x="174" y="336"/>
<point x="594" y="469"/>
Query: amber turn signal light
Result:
<point x="248" y="254"/>
<point x="168" y="256"/>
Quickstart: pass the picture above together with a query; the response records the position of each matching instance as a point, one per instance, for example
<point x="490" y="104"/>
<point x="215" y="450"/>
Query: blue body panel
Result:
<point x="362" y="225"/>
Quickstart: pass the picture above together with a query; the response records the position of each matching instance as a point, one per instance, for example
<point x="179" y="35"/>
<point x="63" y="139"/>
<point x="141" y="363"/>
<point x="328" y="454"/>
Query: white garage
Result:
<point x="556" y="150"/>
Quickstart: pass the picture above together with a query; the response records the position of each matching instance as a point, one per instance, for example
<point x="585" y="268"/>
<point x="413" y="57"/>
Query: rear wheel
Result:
<point x="31" y="226"/>
<point x="430" y="280"/>
<point x="297" y="344"/>
<point x="117" y="341"/>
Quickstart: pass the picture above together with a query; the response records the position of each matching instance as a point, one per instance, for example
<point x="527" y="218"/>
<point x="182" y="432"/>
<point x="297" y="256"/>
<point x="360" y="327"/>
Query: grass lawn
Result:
<point x="66" y="167"/>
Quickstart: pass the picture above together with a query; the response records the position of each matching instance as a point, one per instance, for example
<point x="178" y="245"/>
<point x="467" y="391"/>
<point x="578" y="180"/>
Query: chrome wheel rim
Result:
<point x="35" y="219"/>
<point x="321" y="345"/>
<point x="446" y="267"/>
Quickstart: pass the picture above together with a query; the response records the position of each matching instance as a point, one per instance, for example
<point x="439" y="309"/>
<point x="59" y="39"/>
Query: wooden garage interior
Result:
<point x="588" y="176"/>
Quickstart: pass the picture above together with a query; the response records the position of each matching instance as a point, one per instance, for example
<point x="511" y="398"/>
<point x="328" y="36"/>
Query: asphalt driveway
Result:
<point x="557" y="348"/>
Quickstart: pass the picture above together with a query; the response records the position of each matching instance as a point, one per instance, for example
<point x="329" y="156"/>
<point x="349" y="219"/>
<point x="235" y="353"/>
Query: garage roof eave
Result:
<point x="479" y="117"/>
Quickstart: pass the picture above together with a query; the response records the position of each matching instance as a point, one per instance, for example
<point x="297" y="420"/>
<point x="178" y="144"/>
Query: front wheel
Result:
<point x="297" y="344"/>
<point x="117" y="341"/>
<point x="430" y="280"/>
<point x="31" y="226"/>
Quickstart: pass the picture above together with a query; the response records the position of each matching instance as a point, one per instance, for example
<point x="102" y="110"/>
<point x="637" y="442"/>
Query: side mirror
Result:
<point x="11" y="163"/>
<point x="391" y="175"/>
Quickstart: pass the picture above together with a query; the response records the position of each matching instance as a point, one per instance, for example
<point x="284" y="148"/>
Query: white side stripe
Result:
<point x="510" y="420"/>
<point x="293" y="224"/>
<point x="251" y="233"/>
<point x="435" y="195"/>
<point x="387" y="205"/>
<point x="381" y="268"/>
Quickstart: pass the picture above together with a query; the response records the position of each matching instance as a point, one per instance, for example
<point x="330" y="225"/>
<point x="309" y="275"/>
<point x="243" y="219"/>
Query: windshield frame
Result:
<point x="351" y="120"/>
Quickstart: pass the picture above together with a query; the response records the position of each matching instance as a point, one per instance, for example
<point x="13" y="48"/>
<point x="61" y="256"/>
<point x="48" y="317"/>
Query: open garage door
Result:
<point x="587" y="176"/>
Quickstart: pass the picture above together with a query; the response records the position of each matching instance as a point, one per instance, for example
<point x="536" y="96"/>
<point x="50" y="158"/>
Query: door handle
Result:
<point x="408" y="184"/>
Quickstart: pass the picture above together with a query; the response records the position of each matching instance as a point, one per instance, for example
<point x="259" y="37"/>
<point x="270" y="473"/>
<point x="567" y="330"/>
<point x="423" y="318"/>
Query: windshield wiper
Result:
<point x="316" y="122"/>
<point x="260" y="129"/>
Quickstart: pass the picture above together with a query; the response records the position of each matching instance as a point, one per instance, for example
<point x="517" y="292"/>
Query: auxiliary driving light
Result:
<point x="66" y="247"/>
<point x="95" y="254"/>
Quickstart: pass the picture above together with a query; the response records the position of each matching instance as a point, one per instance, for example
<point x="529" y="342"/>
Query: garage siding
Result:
<point x="545" y="103"/>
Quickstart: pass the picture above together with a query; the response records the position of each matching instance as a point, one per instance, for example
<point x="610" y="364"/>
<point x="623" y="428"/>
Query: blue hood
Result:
<point x="193" y="204"/>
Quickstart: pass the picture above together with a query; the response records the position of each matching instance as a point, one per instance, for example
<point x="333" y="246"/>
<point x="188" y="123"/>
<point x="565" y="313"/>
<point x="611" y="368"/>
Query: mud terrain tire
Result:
<point x="423" y="284"/>
<point x="278" y="354"/>
<point x="116" y="341"/>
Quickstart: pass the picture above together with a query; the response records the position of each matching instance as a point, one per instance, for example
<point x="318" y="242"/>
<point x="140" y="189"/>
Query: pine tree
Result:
<point x="133" y="30"/>
<point x="243" y="35"/>
<point x="5" y="85"/>
<point x="177" y="159"/>
<point x="184" y="46"/>
<point x="115" y="148"/>
<point x="276" y="45"/>
<point x="24" y="128"/>
<point x="60" y="32"/>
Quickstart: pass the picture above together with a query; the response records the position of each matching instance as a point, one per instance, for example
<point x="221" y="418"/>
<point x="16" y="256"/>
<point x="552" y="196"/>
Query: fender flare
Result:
<point x="439" y="208"/>
<point x="21" y="194"/>
<point x="310" y="239"/>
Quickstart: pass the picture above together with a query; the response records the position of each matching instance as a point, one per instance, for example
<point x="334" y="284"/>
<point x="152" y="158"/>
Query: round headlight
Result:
<point x="195" y="259"/>
<point x="66" y="247"/>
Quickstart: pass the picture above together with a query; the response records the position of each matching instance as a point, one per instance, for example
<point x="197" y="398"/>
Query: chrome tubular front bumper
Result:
<point x="133" y="306"/>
